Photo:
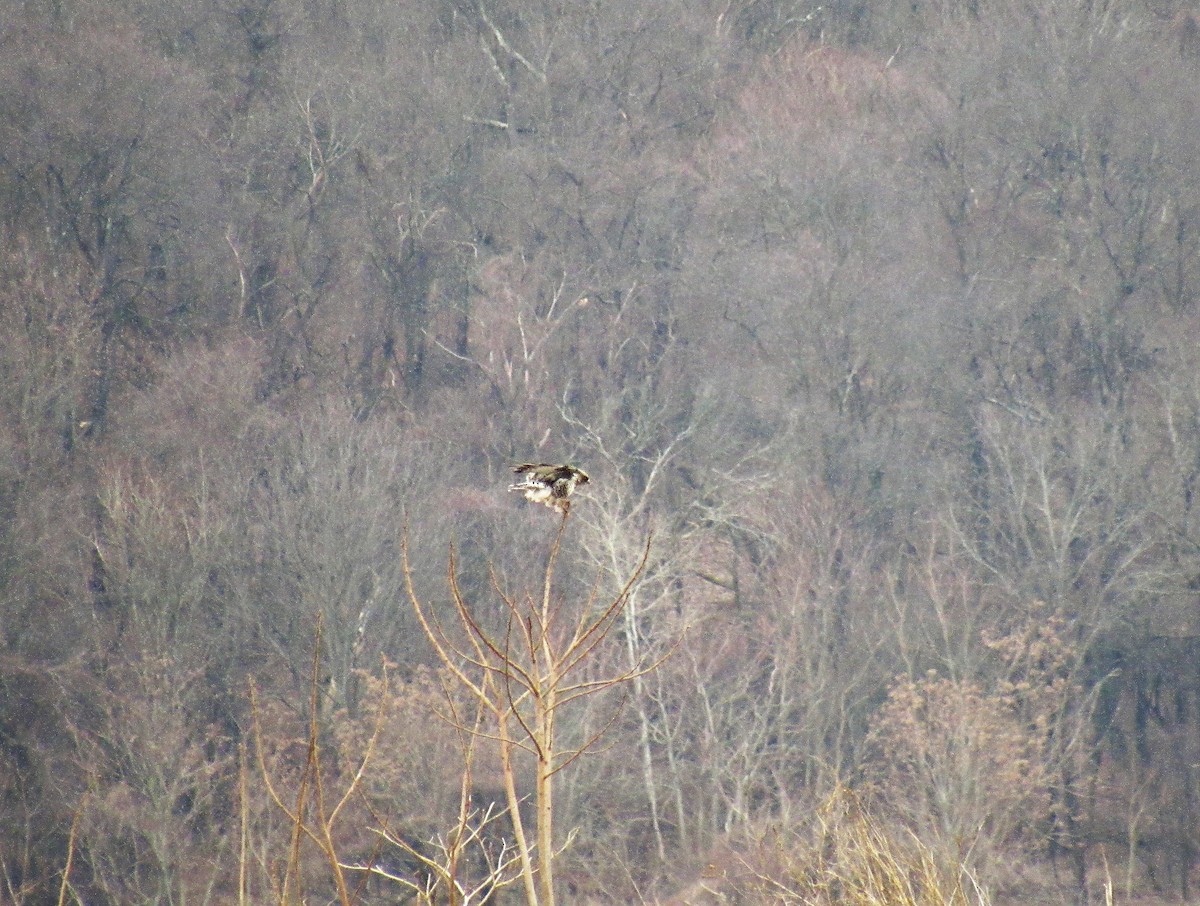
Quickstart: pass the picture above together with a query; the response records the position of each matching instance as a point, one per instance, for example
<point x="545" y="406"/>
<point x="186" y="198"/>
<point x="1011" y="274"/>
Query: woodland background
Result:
<point x="882" y="318"/>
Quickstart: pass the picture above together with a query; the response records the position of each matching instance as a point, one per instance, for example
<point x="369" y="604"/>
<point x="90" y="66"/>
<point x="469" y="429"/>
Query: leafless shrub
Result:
<point x="970" y="764"/>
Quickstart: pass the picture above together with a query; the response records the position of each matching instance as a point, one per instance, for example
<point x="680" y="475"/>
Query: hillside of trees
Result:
<point x="879" y="321"/>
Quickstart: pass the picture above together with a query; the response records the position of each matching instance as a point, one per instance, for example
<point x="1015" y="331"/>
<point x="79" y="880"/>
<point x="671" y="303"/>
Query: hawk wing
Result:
<point x="545" y="471"/>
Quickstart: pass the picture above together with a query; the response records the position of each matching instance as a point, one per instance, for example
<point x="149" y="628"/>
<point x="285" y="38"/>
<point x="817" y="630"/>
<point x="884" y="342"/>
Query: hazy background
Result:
<point x="881" y="316"/>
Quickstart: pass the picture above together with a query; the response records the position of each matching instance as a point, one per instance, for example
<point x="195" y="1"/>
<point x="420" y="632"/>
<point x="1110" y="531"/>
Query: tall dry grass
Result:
<point x="845" y="856"/>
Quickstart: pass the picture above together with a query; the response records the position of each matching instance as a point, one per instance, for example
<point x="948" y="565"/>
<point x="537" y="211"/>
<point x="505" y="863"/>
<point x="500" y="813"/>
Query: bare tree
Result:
<point x="522" y="675"/>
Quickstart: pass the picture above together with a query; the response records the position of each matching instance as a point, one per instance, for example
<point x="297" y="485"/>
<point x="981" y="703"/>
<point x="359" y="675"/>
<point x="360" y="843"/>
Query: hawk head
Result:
<point x="550" y="484"/>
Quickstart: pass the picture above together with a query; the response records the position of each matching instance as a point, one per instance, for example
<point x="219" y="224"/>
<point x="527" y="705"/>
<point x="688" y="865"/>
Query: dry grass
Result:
<point x="848" y="858"/>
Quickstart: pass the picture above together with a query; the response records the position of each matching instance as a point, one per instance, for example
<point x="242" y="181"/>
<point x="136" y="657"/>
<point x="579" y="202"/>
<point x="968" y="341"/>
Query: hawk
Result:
<point x="549" y="484"/>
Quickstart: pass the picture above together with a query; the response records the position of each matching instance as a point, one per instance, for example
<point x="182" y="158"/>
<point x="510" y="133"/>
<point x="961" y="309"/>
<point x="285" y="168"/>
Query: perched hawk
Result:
<point x="549" y="484"/>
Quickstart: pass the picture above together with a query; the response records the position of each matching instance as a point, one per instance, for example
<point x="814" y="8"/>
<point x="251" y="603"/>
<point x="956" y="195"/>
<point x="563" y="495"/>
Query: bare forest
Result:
<point x="876" y="326"/>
